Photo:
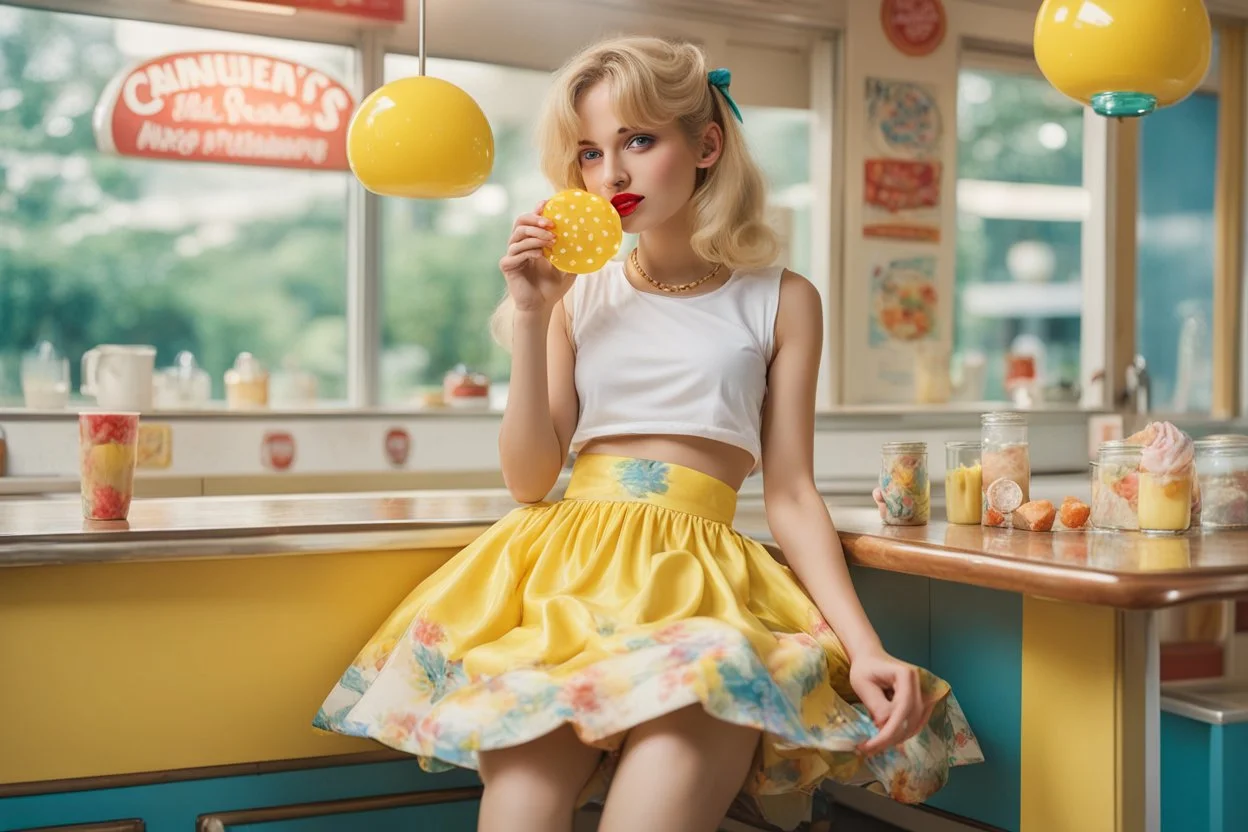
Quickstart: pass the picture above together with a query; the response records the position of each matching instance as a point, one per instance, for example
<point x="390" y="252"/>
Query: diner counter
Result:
<point x="1121" y="570"/>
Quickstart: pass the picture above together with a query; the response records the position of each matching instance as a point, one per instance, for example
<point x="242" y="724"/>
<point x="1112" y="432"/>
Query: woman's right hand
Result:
<point x="532" y="281"/>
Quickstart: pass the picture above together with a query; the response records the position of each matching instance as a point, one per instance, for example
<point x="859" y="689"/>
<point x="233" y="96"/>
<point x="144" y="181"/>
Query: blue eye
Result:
<point x="641" y="141"/>
<point x="590" y="155"/>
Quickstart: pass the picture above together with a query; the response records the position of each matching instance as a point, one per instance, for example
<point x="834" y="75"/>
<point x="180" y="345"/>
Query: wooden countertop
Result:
<point x="1125" y="570"/>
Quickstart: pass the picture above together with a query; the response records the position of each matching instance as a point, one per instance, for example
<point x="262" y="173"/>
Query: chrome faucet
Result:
<point x="1137" y="395"/>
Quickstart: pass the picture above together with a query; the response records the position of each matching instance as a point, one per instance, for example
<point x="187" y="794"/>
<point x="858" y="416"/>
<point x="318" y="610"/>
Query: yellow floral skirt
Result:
<point x="630" y="598"/>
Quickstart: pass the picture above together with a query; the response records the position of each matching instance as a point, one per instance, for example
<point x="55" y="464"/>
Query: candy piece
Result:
<point x="1004" y="495"/>
<point x="1074" y="513"/>
<point x="1036" y="516"/>
<point x="587" y="231"/>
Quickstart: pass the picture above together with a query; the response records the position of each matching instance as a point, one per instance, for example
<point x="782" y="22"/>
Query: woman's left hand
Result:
<point x="890" y="689"/>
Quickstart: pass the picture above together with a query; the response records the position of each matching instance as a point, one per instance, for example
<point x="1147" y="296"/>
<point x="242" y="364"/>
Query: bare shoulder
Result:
<point x="801" y="307"/>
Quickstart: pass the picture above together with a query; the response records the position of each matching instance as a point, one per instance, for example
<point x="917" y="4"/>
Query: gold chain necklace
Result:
<point x="667" y="287"/>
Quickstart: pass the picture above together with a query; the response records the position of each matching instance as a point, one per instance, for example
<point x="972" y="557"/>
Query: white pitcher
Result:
<point x="119" y="376"/>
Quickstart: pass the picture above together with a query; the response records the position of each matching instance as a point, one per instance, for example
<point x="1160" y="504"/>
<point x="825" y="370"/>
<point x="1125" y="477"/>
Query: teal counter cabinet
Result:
<point x="1204" y="757"/>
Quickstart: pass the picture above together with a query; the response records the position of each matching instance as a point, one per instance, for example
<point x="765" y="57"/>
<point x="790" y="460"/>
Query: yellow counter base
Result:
<point x="139" y="667"/>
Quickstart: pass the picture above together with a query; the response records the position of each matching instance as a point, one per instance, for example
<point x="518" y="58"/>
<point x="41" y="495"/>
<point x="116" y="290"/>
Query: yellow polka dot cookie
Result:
<point x="587" y="231"/>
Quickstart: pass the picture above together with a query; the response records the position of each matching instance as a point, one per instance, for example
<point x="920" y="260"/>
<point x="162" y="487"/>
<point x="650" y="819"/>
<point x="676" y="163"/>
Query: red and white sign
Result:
<point x="277" y="450"/>
<point x="915" y="27"/>
<point x="234" y="107"/>
<point x="398" y="446"/>
<point x="373" y="9"/>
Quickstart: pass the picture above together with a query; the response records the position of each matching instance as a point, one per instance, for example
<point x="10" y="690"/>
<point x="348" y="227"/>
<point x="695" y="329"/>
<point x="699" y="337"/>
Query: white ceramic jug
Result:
<point x="119" y="376"/>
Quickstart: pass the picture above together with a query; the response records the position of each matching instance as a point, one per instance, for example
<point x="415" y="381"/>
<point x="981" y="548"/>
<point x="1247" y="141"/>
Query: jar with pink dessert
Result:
<point x="1116" y="485"/>
<point x="1004" y="455"/>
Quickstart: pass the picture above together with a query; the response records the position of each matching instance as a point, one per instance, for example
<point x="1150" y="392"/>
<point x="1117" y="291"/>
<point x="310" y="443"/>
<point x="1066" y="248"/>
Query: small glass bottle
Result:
<point x="1004" y="454"/>
<point x="1115" y="492"/>
<point x="1222" y="479"/>
<point x="246" y="384"/>
<point x="904" y="483"/>
<point x="183" y="386"/>
<point x="964" y="483"/>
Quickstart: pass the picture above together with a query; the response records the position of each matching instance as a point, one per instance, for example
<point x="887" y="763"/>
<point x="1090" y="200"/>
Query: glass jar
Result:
<point x="45" y="378"/>
<point x="1116" y="485"/>
<point x="246" y="384"/>
<point x="964" y="483"/>
<point x="904" y="483"/>
<point x="466" y="388"/>
<point x="184" y="386"/>
<point x="1222" y="480"/>
<point x="1004" y="454"/>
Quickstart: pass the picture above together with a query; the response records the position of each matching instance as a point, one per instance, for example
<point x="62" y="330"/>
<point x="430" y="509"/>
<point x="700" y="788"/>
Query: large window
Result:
<point x="211" y="258"/>
<point x="440" y="278"/>
<point x="220" y="259"/>
<point x="1020" y="210"/>
<point x="1174" y="298"/>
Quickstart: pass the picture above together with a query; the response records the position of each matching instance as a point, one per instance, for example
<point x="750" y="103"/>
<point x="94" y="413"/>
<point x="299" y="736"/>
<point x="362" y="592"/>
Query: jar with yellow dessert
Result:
<point x="904" y="484"/>
<point x="964" y="489"/>
<point x="1167" y="478"/>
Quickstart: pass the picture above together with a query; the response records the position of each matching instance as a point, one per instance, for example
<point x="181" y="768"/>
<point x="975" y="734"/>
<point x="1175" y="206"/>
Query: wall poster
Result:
<point x="901" y="167"/>
<point x="903" y="299"/>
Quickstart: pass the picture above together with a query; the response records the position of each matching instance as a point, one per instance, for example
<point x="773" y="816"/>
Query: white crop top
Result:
<point x="687" y="366"/>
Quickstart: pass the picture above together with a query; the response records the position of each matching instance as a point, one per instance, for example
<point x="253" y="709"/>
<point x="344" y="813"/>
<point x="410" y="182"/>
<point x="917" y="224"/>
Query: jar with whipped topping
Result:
<point x="1116" y="485"/>
<point x="904" y="483"/>
<point x="1005" y="455"/>
<point x="1222" y="478"/>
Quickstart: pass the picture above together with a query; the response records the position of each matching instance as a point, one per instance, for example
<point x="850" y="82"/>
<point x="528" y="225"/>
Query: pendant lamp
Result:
<point x="1124" y="57"/>
<point x="420" y="137"/>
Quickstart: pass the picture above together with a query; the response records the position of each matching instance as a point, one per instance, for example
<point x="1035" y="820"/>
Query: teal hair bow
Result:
<point x="720" y="79"/>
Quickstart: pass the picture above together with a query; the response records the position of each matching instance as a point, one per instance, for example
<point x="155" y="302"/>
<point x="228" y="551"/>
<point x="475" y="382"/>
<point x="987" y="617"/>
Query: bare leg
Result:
<point x="534" y="787"/>
<point x="679" y="773"/>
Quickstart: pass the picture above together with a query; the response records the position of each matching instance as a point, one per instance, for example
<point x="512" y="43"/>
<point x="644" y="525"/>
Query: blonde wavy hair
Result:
<point x="656" y="82"/>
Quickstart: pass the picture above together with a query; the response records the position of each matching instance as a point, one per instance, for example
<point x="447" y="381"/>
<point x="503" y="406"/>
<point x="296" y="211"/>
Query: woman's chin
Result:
<point x="636" y="222"/>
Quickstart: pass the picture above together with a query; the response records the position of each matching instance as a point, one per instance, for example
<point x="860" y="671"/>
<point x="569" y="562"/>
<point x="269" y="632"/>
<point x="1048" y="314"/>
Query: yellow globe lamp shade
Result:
<point x="420" y="138"/>
<point x="1124" y="57"/>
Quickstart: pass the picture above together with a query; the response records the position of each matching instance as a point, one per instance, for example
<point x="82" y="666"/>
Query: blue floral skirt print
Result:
<point x="630" y="598"/>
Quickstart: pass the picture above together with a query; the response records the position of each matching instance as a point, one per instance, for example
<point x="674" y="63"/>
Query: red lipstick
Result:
<point x="626" y="204"/>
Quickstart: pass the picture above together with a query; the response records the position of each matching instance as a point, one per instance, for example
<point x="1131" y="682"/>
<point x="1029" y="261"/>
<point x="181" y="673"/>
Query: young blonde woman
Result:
<point x="625" y="641"/>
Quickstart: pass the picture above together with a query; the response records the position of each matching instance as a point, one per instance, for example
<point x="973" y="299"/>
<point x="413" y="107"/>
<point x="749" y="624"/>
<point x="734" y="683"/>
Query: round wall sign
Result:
<point x="915" y="27"/>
